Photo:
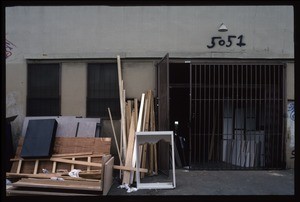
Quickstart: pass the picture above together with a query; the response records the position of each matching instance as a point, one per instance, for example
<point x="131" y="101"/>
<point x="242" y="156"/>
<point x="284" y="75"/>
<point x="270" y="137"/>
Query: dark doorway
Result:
<point x="179" y="78"/>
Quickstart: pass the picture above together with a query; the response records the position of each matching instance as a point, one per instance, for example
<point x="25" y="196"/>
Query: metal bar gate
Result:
<point x="237" y="116"/>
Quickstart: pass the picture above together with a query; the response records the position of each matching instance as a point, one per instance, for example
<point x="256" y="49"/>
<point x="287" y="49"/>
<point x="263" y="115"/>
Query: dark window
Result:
<point x="43" y="96"/>
<point x="103" y="90"/>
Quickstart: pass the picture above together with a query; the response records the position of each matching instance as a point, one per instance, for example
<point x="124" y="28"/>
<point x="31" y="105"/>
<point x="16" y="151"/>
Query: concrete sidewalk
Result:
<point x="273" y="182"/>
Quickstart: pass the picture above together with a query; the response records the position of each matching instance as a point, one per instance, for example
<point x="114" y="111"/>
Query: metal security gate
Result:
<point x="237" y="116"/>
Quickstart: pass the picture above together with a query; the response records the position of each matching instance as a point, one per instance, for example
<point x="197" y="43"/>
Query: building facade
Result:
<point x="225" y="73"/>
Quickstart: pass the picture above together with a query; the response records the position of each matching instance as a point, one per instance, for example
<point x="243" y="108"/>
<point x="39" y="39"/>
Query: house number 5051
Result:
<point x="228" y="43"/>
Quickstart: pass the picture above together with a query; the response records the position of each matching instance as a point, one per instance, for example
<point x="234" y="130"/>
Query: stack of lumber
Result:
<point x="138" y="117"/>
<point x="50" y="176"/>
<point x="135" y="117"/>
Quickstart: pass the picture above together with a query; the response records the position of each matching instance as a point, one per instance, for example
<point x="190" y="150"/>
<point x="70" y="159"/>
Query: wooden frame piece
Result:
<point x="153" y="137"/>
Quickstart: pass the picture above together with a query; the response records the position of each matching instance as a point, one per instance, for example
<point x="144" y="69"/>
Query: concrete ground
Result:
<point x="195" y="182"/>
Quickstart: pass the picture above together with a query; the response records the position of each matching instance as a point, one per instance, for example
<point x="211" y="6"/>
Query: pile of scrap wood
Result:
<point x="135" y="117"/>
<point x="75" y="166"/>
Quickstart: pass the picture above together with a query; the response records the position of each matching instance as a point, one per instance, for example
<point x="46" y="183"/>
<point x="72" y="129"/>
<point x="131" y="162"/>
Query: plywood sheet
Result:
<point x="87" y="129"/>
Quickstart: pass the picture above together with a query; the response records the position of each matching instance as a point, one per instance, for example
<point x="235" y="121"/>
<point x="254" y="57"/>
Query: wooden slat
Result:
<point x="73" y="154"/>
<point x="17" y="192"/>
<point x="128" y="159"/>
<point x="54" y="167"/>
<point x="76" y="162"/>
<point x="152" y="113"/>
<point x="47" y="183"/>
<point x="126" y="168"/>
<point x="128" y="117"/>
<point x="144" y="158"/>
<point x="145" y="114"/>
<point x="122" y="107"/>
<point x="136" y="108"/>
<point x="115" y="137"/>
<point x="72" y="165"/>
<point x="147" y="111"/>
<point x="36" y="166"/>
<point x="19" y="166"/>
<point x="39" y="175"/>
<point x="89" y="161"/>
<point x="138" y="129"/>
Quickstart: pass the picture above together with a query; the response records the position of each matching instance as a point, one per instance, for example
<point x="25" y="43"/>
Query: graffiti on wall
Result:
<point x="9" y="46"/>
<point x="291" y="123"/>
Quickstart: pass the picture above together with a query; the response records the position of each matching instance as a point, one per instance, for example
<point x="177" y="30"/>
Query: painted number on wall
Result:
<point x="230" y="40"/>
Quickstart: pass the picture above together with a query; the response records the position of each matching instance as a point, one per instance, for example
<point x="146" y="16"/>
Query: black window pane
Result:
<point x="43" y="97"/>
<point x="103" y="90"/>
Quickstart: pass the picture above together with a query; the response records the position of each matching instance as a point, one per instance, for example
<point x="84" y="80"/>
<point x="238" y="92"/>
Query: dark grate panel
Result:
<point x="43" y="95"/>
<point x="237" y="116"/>
<point x="103" y="90"/>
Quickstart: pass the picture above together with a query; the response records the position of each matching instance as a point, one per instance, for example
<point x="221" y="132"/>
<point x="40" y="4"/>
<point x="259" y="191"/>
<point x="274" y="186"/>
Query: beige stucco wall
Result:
<point x="290" y="81"/>
<point x="138" y="76"/>
<point x="73" y="89"/>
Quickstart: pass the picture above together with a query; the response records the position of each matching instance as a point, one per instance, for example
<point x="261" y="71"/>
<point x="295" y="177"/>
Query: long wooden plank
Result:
<point x="76" y="162"/>
<point x="136" y="108"/>
<point x="72" y="154"/>
<point x="121" y="95"/>
<point x="17" y="192"/>
<point x="115" y="137"/>
<point x="145" y="114"/>
<point x="128" y="159"/>
<point x="39" y="175"/>
<point x="138" y="129"/>
<point x="147" y="110"/>
<point x="126" y="168"/>
<point x="128" y="117"/>
<point x="152" y="112"/>
<point x="47" y="183"/>
<point x="144" y="158"/>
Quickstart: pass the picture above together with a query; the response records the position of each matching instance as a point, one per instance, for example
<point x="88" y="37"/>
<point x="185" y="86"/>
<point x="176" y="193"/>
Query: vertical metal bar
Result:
<point x="283" y="128"/>
<point x="242" y="107"/>
<point x="233" y="112"/>
<point x="255" y="117"/>
<point x="218" y="115"/>
<point x="212" y="136"/>
<point x="200" y="114"/>
<point x="195" y="116"/>
<point x="273" y="119"/>
<point x="204" y="113"/>
<point x="265" y="117"/>
<point x="246" y="111"/>
<point x="226" y="67"/>
<point x="270" y="115"/>
<point x="259" y="116"/>
<point x="277" y="116"/>
<point x="229" y="143"/>
<point x="251" y="113"/>
<point x="209" y="89"/>
<point x="190" y="115"/>
<point x="223" y="107"/>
